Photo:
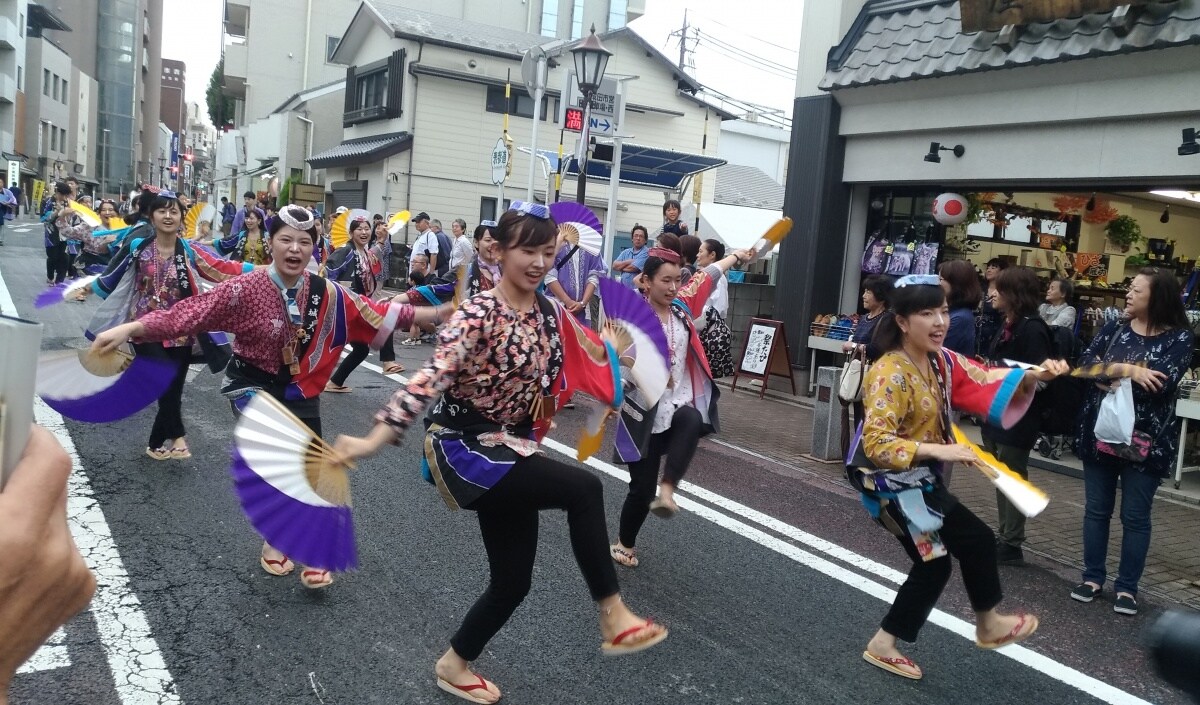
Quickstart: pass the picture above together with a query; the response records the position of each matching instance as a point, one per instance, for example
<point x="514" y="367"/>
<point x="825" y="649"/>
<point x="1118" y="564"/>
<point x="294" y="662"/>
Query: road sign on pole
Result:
<point x="499" y="162"/>
<point x="606" y="108"/>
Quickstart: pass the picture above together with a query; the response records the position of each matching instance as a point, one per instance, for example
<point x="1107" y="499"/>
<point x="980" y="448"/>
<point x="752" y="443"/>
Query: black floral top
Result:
<point x="1169" y="353"/>
<point x="489" y="355"/>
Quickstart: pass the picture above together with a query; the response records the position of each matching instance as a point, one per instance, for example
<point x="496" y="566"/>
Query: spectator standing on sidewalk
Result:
<point x="53" y="211"/>
<point x="990" y="320"/>
<point x="445" y="246"/>
<point x="426" y="243"/>
<point x="463" y="251"/>
<point x="671" y="222"/>
<point x="876" y="289"/>
<point x="630" y="262"/>
<point x="1024" y="337"/>
<point x="963" y="295"/>
<point x="8" y="205"/>
<point x="228" y="211"/>
<point x="1156" y="334"/>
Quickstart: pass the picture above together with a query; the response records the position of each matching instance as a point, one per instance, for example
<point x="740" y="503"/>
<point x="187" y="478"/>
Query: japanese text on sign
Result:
<point x="758" y="349"/>
<point x="573" y="120"/>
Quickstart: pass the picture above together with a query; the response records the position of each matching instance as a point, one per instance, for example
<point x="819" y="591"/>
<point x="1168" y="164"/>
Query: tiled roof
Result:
<point x="900" y="40"/>
<point x="362" y="150"/>
<point x="453" y="31"/>
<point x="739" y="185"/>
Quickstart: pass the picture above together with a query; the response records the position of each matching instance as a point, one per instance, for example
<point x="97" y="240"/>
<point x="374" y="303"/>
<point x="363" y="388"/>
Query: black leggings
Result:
<point x="57" y="263"/>
<point x="168" y="422"/>
<point x="678" y="443"/>
<point x="358" y="353"/>
<point x="969" y="540"/>
<point x="508" y="522"/>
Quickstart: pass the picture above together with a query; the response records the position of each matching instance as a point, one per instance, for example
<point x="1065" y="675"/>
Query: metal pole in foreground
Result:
<point x="585" y="137"/>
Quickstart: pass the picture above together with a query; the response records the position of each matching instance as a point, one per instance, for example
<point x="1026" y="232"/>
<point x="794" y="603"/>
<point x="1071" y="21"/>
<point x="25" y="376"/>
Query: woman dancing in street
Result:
<point x="501" y="365"/>
<point x="361" y="262"/>
<point x="159" y="271"/>
<point x="278" y="315"/>
<point x="685" y="413"/>
<point x="905" y="439"/>
<point x="249" y="245"/>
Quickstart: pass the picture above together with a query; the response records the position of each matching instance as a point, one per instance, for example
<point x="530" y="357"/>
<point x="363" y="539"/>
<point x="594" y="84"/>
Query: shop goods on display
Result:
<point x="883" y="256"/>
<point x="835" y="326"/>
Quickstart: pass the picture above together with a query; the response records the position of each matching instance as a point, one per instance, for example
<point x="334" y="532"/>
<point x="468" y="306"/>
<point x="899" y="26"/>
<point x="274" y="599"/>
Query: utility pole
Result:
<point x="683" y="42"/>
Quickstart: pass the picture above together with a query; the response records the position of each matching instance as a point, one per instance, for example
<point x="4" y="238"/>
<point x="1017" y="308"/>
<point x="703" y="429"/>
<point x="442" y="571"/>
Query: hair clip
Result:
<point x="537" y="210"/>
<point x="488" y="223"/>
<point x="917" y="280"/>
<point x="166" y="193"/>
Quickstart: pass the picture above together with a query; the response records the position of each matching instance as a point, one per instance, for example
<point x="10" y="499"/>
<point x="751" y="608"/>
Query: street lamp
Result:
<point x="591" y="59"/>
<point x="103" y="157"/>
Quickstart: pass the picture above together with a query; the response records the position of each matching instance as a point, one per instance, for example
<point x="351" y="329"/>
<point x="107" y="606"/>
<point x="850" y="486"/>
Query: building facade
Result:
<point x="424" y="108"/>
<point x="900" y="100"/>
<point x="13" y="19"/>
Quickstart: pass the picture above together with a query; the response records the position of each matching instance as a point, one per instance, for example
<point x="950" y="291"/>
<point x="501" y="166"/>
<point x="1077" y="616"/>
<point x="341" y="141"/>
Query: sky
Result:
<point x="749" y="54"/>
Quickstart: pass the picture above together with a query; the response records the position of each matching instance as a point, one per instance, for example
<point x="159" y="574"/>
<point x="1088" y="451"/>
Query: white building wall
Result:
<point x="13" y="17"/>
<point x="762" y="146"/>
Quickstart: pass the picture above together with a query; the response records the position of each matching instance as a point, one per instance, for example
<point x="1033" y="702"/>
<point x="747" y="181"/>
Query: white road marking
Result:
<point x="1023" y="655"/>
<point x="52" y="655"/>
<point x="138" y="668"/>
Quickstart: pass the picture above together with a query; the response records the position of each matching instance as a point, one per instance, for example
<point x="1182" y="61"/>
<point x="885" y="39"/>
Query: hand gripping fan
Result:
<point x="771" y="238"/>
<point x="1028" y="500"/>
<point x="397" y="222"/>
<point x="633" y="329"/>
<point x="99" y="388"/>
<point x="580" y="226"/>
<point x="87" y="215"/>
<point x="197" y="214"/>
<point x="293" y="487"/>
<point x="63" y="292"/>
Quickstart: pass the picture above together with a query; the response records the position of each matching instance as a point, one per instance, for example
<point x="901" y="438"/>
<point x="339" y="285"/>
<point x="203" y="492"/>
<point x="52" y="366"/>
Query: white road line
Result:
<point x="1023" y="655"/>
<point x="138" y="668"/>
<point x="52" y="655"/>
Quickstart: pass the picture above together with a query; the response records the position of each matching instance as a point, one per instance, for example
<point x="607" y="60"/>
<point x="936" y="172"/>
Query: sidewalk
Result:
<point x="782" y="432"/>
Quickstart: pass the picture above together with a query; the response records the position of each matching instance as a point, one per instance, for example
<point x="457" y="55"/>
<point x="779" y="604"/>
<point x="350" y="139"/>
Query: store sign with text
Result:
<point x="993" y="15"/>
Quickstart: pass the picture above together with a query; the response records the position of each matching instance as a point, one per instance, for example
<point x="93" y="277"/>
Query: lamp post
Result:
<point x="103" y="156"/>
<point x="591" y="59"/>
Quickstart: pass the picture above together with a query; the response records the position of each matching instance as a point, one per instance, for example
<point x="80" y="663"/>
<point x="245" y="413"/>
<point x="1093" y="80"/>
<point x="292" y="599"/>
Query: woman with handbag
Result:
<point x="1024" y="337"/>
<point x="896" y="465"/>
<point x="1151" y="350"/>
<point x="875" y="300"/>
<point x="715" y="335"/>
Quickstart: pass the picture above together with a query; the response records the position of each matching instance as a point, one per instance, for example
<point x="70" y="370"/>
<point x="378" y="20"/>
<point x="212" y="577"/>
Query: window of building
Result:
<point x="20" y="78"/>
<point x="331" y="44"/>
<point x="618" y="10"/>
<point x="520" y="104"/>
<point x="487" y="208"/>
<point x="577" y="20"/>
<point x="377" y="90"/>
<point x="65" y="92"/>
<point x="57" y="87"/>
<point x="21" y="25"/>
<point x="549" y="18"/>
<point x="46" y="82"/>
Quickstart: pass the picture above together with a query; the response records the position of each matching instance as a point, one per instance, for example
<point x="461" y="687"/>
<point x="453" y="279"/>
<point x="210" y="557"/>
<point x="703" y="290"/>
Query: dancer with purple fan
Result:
<point x="673" y="426"/>
<point x="154" y="272"/>
<point x="290" y="326"/>
<point x="503" y="364"/>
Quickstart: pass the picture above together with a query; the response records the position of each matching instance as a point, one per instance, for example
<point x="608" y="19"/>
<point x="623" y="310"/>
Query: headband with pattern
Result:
<point x="537" y="210"/>
<point x="286" y="215"/>
<point x="664" y="254"/>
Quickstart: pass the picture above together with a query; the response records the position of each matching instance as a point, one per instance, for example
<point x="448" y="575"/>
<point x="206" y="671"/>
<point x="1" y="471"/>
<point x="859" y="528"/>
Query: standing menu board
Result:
<point x="764" y="354"/>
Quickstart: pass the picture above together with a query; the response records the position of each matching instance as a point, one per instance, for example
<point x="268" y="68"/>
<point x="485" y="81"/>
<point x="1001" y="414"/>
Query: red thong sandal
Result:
<point x="464" y="691"/>
<point x="893" y="664"/>
<point x="616" y="648"/>
<point x="279" y="567"/>
<point x="1026" y="625"/>
<point x="315" y="578"/>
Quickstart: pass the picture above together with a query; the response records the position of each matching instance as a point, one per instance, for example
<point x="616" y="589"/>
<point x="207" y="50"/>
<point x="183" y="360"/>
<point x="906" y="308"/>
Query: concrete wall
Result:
<point x="760" y="146"/>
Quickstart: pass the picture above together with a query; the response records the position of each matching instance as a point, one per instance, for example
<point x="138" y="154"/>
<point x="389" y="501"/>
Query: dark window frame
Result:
<point x="520" y="103"/>
<point x="374" y="91"/>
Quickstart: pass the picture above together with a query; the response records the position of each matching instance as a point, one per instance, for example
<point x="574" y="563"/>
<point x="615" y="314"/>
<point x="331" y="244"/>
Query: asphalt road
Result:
<point x="761" y="610"/>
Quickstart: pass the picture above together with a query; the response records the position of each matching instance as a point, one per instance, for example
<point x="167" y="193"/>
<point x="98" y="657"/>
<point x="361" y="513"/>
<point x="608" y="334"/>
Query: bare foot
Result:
<point x="993" y="630"/>
<point x="883" y="646"/>
<point x="616" y="619"/>
<point x="457" y="674"/>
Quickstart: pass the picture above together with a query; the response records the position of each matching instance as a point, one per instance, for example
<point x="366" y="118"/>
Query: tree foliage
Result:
<point x="220" y="106"/>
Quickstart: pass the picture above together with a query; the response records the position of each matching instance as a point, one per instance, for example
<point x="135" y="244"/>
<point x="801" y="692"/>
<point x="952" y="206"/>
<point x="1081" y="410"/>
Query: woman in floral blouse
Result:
<point x="1156" y="335"/>
<point x="907" y="438"/>
<point x="503" y="363"/>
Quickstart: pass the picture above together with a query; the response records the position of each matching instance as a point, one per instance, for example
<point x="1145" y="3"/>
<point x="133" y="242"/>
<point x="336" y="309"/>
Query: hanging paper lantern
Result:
<point x="950" y="209"/>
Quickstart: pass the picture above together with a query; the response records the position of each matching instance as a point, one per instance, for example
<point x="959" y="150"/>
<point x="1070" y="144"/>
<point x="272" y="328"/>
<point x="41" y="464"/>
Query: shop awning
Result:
<point x="646" y="166"/>
<point x="736" y="226"/>
<point x="362" y="150"/>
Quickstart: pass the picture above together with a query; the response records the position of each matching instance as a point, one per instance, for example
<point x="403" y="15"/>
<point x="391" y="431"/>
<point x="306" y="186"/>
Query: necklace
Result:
<point x="669" y="329"/>
<point x="159" y="291"/>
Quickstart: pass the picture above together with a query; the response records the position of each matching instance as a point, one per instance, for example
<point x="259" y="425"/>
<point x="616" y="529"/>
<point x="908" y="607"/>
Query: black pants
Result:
<point x="57" y="263"/>
<point x="969" y="540"/>
<point x="168" y="422"/>
<point x="508" y="521"/>
<point x="358" y="353"/>
<point x="678" y="443"/>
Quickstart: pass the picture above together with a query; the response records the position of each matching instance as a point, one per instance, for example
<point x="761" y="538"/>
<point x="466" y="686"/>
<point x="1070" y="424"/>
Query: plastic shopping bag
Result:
<point x="1114" y="424"/>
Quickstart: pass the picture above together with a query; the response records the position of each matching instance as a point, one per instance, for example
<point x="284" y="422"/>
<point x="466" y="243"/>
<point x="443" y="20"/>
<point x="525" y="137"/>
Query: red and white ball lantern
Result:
<point x="950" y="209"/>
